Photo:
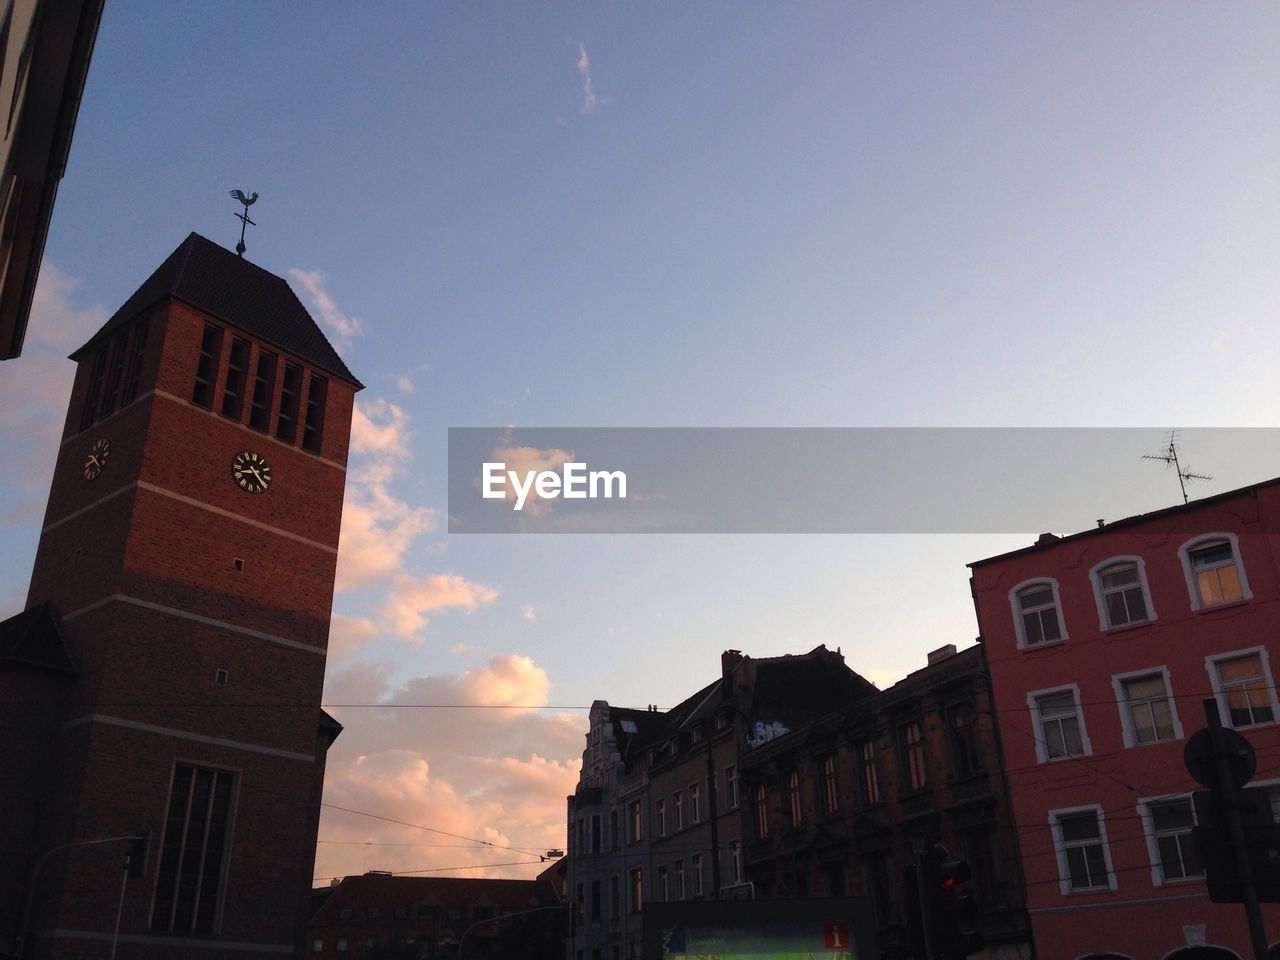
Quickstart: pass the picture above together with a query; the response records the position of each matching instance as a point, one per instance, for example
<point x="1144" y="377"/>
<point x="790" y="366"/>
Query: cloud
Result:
<point x="589" y="100"/>
<point x="350" y="635"/>
<point x="526" y="460"/>
<point x="462" y="649"/>
<point x="412" y="599"/>
<point x="527" y="611"/>
<point x="342" y="326"/>
<point x="473" y="768"/>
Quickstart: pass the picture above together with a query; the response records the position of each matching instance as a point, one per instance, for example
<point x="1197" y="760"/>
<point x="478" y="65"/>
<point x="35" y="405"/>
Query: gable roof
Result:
<point x="231" y="289"/>
<point x="36" y="638"/>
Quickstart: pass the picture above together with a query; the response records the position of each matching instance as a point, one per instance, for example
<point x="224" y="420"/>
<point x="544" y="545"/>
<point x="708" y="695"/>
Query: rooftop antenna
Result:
<point x="1170" y="458"/>
<point x="243" y="217"/>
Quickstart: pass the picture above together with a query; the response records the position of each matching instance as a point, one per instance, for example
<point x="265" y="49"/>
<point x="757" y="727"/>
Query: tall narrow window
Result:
<point x="913" y="748"/>
<point x="793" y="798"/>
<point x="93" y="397"/>
<point x="116" y="359"/>
<point x="264" y="384"/>
<point x="663" y="888"/>
<point x="637" y="889"/>
<point x="679" y="880"/>
<point x="615" y="896"/>
<point x="660" y="807"/>
<point x="677" y="810"/>
<point x="1082" y="855"/>
<point x="1170" y="824"/>
<point x="207" y="368"/>
<point x="237" y="368"/>
<point x="133" y="374"/>
<point x="695" y="802"/>
<point x="830" y="790"/>
<point x="636" y="824"/>
<point x="735" y="861"/>
<point x="965" y="758"/>
<point x="1060" y="726"/>
<point x="595" y="899"/>
<point x="697" y="874"/>
<point x="869" y="772"/>
<point x="287" y="419"/>
<point x="312" y="431"/>
<point x="731" y="784"/>
<point x="189" y="879"/>
<point x="762" y="812"/>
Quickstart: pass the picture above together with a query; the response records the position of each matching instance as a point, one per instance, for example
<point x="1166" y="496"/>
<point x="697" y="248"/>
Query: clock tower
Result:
<point x="165" y="679"/>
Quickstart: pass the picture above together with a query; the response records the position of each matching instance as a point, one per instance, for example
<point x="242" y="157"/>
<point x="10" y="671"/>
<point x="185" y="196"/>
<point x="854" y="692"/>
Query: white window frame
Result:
<point x="697" y="875"/>
<point x="1153" y="850"/>
<point x="1016" y="610"/>
<point x="677" y="811"/>
<point x="731" y="784"/>
<point x="1033" y="707"/>
<point x="1127" y="728"/>
<point x="695" y="803"/>
<point x="1211" y="665"/>
<point x="1060" y="849"/>
<point x="661" y="810"/>
<point x="1099" y="599"/>
<point x="1193" y="589"/>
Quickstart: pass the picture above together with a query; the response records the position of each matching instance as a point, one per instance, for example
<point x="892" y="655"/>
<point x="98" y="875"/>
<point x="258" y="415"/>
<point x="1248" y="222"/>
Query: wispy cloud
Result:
<point x="589" y="99"/>
<point x="527" y="611"/>
<point x="342" y="326"/>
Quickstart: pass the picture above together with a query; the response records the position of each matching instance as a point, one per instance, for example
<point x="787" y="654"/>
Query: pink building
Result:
<point x="1102" y="647"/>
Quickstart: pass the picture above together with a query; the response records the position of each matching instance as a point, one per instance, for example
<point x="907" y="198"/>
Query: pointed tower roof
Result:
<point x="231" y="289"/>
<point x="36" y="638"/>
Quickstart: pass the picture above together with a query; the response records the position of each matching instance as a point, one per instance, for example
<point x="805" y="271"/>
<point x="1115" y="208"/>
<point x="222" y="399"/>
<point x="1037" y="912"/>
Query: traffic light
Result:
<point x="943" y="917"/>
<point x="135" y="857"/>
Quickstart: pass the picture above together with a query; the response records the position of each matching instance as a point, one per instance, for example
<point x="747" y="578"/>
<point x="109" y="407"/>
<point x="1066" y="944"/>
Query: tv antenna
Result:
<point x="243" y="217"/>
<point x="1170" y="458"/>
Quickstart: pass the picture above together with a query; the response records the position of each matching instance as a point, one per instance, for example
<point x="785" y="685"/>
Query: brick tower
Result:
<point x="165" y="678"/>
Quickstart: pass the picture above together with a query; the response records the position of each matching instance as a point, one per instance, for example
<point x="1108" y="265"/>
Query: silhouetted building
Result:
<point x="165" y="678"/>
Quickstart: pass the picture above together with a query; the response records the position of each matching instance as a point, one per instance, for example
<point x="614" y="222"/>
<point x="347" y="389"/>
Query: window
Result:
<point x="868" y="773"/>
<point x="615" y="896"/>
<point x="595" y="900"/>
<point x="233" y="390"/>
<point x="731" y="784"/>
<point x="695" y="802"/>
<point x="679" y="879"/>
<point x="596" y="840"/>
<point x="341" y="944"/>
<point x="979" y="850"/>
<point x="637" y="889"/>
<point x="287" y="419"/>
<point x="371" y="913"/>
<point x="830" y="791"/>
<point x="1243" y="684"/>
<point x="735" y="861"/>
<point x="1035" y="613"/>
<point x="663" y="889"/>
<point x="137" y="350"/>
<point x="614" y="838"/>
<point x="1120" y="589"/>
<point x="93" y="398"/>
<point x="661" y="810"/>
<point x="636" y="835"/>
<point x="677" y="809"/>
<point x="344" y="913"/>
<point x="317" y="946"/>
<point x="1146" y="712"/>
<point x="1214" y="573"/>
<point x="207" y="368"/>
<point x="913" y="750"/>
<point x="697" y="874"/>
<point x="793" y="798"/>
<point x="762" y="812"/>
<point x="264" y="384"/>
<point x="313" y="428"/>
<point x="1083" y="861"/>
<point x="189" y="879"/>
<point x="1168" y="823"/>
<point x="1061" y="728"/>
<point x="962" y="724"/>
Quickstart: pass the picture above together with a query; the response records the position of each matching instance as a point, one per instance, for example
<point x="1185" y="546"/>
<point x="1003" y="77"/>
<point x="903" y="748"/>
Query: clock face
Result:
<point x="251" y="472"/>
<point x="97" y="459"/>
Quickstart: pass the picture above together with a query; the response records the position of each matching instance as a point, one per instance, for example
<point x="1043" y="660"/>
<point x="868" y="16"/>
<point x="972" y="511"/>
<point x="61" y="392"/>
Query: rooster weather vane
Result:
<point x="243" y="217"/>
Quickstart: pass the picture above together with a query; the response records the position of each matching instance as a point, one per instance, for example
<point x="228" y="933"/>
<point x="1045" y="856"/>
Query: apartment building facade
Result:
<point x="1102" y="648"/>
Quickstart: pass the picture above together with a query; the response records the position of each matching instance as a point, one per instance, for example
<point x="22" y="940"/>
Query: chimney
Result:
<point x="728" y="660"/>
<point x="1046" y="538"/>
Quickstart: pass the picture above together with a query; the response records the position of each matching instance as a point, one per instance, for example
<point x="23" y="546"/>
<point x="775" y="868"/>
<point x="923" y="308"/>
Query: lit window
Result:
<point x="1082" y="850"/>
<point x="1214" y="573"/>
<point x="1150" y="712"/>
<point x="637" y="889"/>
<point x="192" y="851"/>
<point x="793" y="795"/>
<point x="1061" y="726"/>
<point x="1036" y="616"/>
<point x="1169" y="823"/>
<point x="1121" y="591"/>
<point x="762" y="812"/>
<point x="1246" y="688"/>
<point x="869" y="772"/>
<point x="913" y="748"/>
<point x="830" y="790"/>
<point x="636" y="825"/>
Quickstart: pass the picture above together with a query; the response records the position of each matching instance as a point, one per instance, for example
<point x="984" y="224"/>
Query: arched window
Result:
<point x="1037" y="613"/>
<point x="1215" y="575"/>
<point x="1120" y="589"/>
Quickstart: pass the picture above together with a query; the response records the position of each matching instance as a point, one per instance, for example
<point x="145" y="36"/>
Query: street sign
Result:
<point x="1198" y="756"/>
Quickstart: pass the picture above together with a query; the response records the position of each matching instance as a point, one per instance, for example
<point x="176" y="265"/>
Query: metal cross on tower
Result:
<point x="243" y="217"/>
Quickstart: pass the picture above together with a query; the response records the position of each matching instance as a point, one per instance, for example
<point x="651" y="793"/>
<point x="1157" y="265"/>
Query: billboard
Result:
<point x="837" y="928"/>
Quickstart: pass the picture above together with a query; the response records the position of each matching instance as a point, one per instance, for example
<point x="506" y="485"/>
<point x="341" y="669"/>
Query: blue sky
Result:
<point x="662" y="215"/>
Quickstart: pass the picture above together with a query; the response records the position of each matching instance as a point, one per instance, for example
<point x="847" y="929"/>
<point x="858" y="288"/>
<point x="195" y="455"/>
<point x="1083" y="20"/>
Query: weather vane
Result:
<point x="1170" y="458"/>
<point x="243" y="217"/>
